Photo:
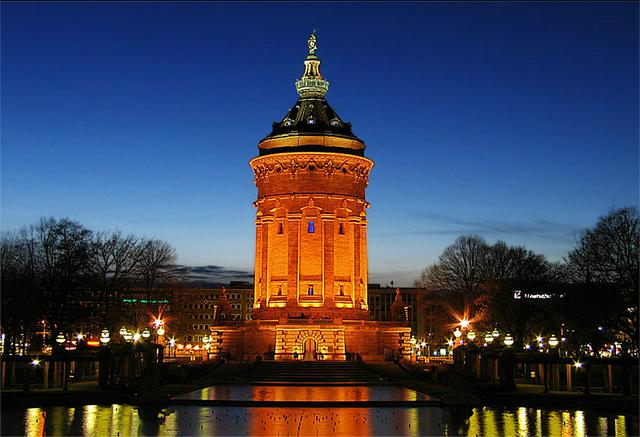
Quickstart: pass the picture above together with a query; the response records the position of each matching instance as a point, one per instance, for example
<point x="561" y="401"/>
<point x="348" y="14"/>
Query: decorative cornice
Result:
<point x="328" y="163"/>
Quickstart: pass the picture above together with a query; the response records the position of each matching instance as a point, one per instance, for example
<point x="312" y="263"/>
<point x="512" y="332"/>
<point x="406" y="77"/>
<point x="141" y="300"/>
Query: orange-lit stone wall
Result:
<point x="311" y="226"/>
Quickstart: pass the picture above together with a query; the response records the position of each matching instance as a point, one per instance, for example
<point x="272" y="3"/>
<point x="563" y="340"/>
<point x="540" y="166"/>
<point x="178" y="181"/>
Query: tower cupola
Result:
<point x="311" y="124"/>
<point x="312" y="84"/>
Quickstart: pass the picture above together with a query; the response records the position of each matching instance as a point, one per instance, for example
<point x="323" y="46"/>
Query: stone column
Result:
<point x="328" y="236"/>
<point x="264" y="237"/>
<point x="364" y="263"/>
<point x="293" y="236"/>
<point x="354" y="223"/>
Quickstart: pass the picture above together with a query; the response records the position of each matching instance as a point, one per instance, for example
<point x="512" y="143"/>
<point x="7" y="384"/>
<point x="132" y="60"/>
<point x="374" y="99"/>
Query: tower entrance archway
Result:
<point x="310" y="348"/>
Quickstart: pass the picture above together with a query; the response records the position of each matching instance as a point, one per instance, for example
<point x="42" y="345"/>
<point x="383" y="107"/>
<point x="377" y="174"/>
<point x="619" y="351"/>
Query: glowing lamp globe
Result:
<point x="146" y="333"/>
<point x="495" y="333"/>
<point x="60" y="338"/>
<point x="553" y="341"/>
<point x="508" y="340"/>
<point x="122" y="331"/>
<point x="160" y="330"/>
<point x="104" y="336"/>
<point x="457" y="333"/>
<point x="128" y="335"/>
<point x="488" y="338"/>
<point x="471" y="335"/>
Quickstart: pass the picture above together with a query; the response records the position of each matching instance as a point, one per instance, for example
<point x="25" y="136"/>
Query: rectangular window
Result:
<point x="310" y="290"/>
<point x="311" y="227"/>
<point x="341" y="229"/>
<point x="280" y="228"/>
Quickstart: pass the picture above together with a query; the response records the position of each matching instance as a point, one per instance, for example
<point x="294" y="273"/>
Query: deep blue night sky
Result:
<point x="514" y="121"/>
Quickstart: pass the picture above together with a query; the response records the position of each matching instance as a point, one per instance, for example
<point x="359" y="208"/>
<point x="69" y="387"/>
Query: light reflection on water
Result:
<point x="126" y="420"/>
<point x="306" y="393"/>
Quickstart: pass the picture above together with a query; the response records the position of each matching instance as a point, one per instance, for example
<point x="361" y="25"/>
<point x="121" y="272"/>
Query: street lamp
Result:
<point x="123" y="331"/>
<point x="146" y="333"/>
<point x="104" y="337"/>
<point x="553" y="341"/>
<point x="160" y="330"/>
<point x="128" y="335"/>
<point x="495" y="333"/>
<point x="488" y="338"/>
<point x="457" y="333"/>
<point x="471" y="335"/>
<point x="508" y="340"/>
<point x="464" y="323"/>
<point x="60" y="339"/>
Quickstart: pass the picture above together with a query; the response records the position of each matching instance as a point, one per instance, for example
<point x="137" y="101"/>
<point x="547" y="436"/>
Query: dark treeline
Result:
<point x="593" y="293"/>
<point x="68" y="278"/>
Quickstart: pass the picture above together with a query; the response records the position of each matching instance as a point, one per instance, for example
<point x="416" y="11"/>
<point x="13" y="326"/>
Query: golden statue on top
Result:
<point x="312" y="43"/>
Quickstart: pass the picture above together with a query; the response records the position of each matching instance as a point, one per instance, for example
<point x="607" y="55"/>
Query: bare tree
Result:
<point x="18" y="281"/>
<point x="157" y="265"/>
<point x="607" y="259"/>
<point x="460" y="270"/>
<point x="113" y="258"/>
<point x="156" y="271"/>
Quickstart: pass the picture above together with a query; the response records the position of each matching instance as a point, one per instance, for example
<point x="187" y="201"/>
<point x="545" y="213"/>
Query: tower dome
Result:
<point x="309" y="123"/>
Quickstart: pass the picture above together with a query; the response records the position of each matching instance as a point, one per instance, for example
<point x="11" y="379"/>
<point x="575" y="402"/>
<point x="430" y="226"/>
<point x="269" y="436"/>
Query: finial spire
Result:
<point x="312" y="84"/>
<point x="312" y="43"/>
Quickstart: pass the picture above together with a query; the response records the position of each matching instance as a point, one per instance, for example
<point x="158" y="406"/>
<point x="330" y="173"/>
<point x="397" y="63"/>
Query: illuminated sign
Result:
<point x="145" y="300"/>
<point x="518" y="294"/>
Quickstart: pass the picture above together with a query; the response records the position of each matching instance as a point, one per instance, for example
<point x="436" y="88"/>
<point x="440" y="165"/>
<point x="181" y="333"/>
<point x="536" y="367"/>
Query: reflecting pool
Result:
<point x="276" y="393"/>
<point x="126" y="420"/>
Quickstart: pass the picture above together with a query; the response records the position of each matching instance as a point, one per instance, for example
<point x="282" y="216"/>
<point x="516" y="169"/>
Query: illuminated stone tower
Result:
<point x="311" y="224"/>
<point x="311" y="242"/>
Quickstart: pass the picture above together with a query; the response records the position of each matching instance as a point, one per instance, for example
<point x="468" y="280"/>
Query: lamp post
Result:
<point x="146" y="333"/>
<point x="471" y="335"/>
<point x="508" y="340"/>
<point x="413" y="342"/>
<point x="104" y="337"/>
<point x="488" y="338"/>
<point x="172" y="346"/>
<point x="60" y="339"/>
<point x="553" y="341"/>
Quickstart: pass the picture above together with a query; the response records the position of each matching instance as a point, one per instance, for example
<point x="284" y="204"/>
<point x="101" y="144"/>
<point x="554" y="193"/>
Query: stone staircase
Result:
<point x="309" y="372"/>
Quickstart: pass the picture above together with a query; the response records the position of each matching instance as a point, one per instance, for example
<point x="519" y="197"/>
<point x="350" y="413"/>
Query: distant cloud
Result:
<point x="446" y="225"/>
<point x="214" y="275"/>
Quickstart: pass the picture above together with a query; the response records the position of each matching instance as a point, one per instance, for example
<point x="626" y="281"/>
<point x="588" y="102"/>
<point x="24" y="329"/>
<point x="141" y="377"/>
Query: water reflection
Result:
<point x="306" y="394"/>
<point x="531" y="421"/>
<point x="126" y="420"/>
